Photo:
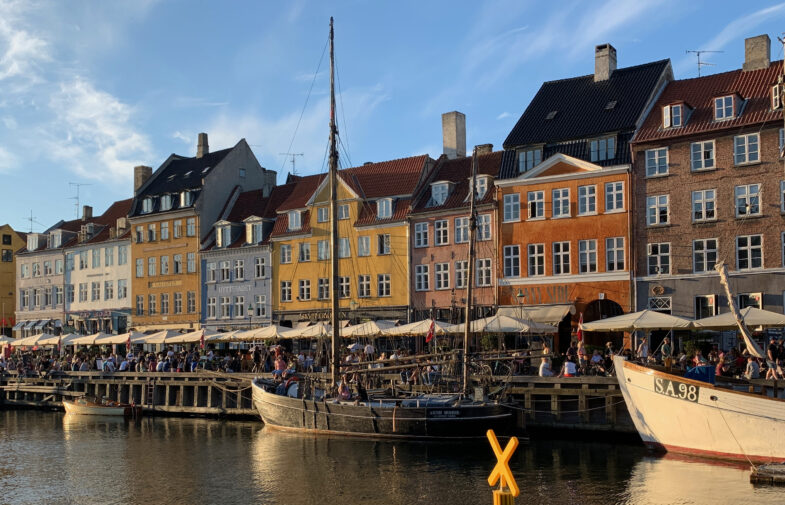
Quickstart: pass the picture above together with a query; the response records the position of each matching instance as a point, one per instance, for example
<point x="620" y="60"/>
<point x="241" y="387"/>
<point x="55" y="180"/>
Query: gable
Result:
<point x="563" y="168"/>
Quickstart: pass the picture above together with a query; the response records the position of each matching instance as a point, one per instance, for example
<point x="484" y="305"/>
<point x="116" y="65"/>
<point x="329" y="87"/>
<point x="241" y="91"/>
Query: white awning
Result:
<point x="30" y="324"/>
<point x="19" y="325"/>
<point x="41" y="324"/>
<point x="548" y="314"/>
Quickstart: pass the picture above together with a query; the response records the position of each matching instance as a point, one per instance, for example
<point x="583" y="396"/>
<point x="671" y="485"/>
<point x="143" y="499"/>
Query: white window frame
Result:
<point x="383" y="285"/>
<point x="776" y="96"/>
<point x="364" y="286"/>
<point x="344" y="248"/>
<point x="461" y="272"/>
<point x="484" y="272"/>
<point x="363" y="246"/>
<point x="746" y="149"/>
<point x="749" y="248"/>
<point x="711" y="303"/>
<point x="654" y="252"/>
<point x="343" y="211"/>
<point x="441" y="276"/>
<point x="657" y="162"/>
<point x="260" y="267"/>
<point x="587" y="200"/>
<point x="462" y="230"/>
<point x="703" y="249"/>
<point x="721" y="106"/>
<point x="602" y="149"/>
<point x="673" y="116"/>
<point x="512" y="207"/>
<point x="512" y="260"/>
<point x="704" y="205"/>
<point x="421" y="235"/>
<point x="654" y="207"/>
<point x="286" y="254"/>
<point x="535" y="260"/>
<point x="561" y="252"/>
<point x="422" y="278"/>
<point x="535" y="201"/>
<point x="484" y="227"/>
<point x="304" y="253"/>
<point x="304" y="290"/>
<point x="384" y="208"/>
<point x="587" y="256"/>
<point x="758" y="297"/>
<point x="441" y="232"/>
<point x="750" y="195"/>
<point x="322" y="288"/>
<point x="322" y="214"/>
<point x="702" y="156"/>
<point x="439" y="193"/>
<point x="323" y="250"/>
<point x="614" y="196"/>
<point x="383" y="244"/>
<point x="560" y="207"/>
<point x="529" y="158"/>
<point x="614" y="254"/>
<point x="294" y="220"/>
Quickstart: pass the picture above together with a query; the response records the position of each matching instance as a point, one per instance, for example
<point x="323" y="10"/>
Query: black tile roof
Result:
<point x="581" y="106"/>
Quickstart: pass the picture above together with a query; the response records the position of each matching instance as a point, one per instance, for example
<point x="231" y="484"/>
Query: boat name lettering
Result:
<point x="676" y="389"/>
<point x="443" y="413"/>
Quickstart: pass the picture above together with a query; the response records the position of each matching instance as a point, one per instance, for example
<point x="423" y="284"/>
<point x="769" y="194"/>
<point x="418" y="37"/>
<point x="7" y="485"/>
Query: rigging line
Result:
<point x="343" y="111"/>
<point x="307" y="98"/>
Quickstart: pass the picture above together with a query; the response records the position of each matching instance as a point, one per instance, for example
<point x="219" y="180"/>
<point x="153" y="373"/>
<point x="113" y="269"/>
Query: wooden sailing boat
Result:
<point x="287" y="406"/>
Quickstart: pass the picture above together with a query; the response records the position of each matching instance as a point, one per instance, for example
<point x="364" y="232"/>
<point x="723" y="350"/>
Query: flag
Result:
<point x="201" y="340"/>
<point x="429" y="336"/>
<point x="580" y="328"/>
<point x="128" y="343"/>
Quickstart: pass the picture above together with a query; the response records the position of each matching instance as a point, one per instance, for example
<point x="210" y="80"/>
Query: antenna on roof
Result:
<point x="32" y="221"/>
<point x="78" y="185"/>
<point x="293" y="155"/>
<point x="702" y="63"/>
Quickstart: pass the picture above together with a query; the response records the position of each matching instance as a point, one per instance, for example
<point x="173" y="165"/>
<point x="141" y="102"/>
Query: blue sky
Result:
<point x="89" y="89"/>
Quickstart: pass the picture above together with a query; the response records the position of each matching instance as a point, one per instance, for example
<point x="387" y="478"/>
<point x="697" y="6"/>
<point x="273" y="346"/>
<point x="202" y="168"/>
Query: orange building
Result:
<point x="564" y="239"/>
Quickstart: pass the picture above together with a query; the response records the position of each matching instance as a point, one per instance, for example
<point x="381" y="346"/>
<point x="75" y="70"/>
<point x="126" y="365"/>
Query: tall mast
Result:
<point x="333" y="174"/>
<point x="752" y="347"/>
<point x="469" y="274"/>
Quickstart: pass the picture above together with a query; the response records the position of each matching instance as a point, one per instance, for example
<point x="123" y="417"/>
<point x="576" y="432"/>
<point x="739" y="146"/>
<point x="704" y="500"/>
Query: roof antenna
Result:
<point x="32" y="221"/>
<point x="702" y="63"/>
<point x="293" y="155"/>
<point x="77" y="185"/>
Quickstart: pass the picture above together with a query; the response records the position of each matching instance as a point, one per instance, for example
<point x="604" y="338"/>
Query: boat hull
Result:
<point x="94" y="409"/>
<point x="326" y="417"/>
<point x="685" y="416"/>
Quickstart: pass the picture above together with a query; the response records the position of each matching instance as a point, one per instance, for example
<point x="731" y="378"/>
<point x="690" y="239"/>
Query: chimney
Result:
<point x="757" y="53"/>
<point x="604" y="62"/>
<point x="484" y="149"/>
<point x="87" y="213"/>
<point x="454" y="134"/>
<point x="202" y="147"/>
<point x="141" y="174"/>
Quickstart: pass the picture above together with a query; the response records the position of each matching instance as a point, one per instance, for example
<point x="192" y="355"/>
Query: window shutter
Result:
<point x="666" y="116"/>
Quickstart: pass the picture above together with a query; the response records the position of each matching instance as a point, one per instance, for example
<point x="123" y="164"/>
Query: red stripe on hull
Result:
<point x="712" y="454"/>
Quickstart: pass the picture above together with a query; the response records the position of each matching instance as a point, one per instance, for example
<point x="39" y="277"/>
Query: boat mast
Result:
<point x="752" y="347"/>
<point x="333" y="175"/>
<point x="469" y="275"/>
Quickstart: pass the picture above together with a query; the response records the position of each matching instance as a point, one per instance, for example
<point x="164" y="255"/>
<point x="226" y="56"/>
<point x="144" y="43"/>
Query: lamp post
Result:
<point x="521" y="298"/>
<point x="250" y="315"/>
<point x="352" y="307"/>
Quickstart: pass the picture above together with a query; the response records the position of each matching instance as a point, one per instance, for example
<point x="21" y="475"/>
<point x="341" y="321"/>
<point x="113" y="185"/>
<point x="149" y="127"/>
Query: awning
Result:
<point x="41" y="324"/>
<point x="58" y="323"/>
<point x="547" y="314"/>
<point x="30" y="324"/>
<point x="18" y="326"/>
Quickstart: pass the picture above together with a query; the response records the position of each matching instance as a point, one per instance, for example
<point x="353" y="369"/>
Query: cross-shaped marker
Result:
<point x="502" y="469"/>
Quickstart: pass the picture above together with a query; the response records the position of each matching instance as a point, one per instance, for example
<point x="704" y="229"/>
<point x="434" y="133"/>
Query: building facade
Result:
<point x="709" y="187"/>
<point x="11" y="242"/>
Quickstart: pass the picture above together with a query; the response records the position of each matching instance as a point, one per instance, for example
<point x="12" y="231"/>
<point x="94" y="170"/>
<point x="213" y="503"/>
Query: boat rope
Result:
<point x="533" y="411"/>
<point x="722" y="414"/>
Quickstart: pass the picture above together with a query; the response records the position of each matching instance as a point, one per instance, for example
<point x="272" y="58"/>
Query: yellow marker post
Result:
<point x="501" y="472"/>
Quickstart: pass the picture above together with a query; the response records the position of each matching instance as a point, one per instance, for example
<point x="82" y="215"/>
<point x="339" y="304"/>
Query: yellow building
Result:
<point x="374" y="201"/>
<point x="11" y="241"/>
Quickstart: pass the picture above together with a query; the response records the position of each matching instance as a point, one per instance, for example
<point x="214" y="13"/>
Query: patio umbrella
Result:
<point x="227" y="336"/>
<point x="644" y="320"/>
<point x="136" y="338"/>
<point x="752" y="317"/>
<point x="503" y="324"/>
<point x="367" y="329"/>
<point x="31" y="340"/>
<point x="6" y="340"/>
<point x="88" y="339"/>
<point x="320" y="329"/>
<point x="53" y="339"/>
<point x="266" y="333"/>
<point x="191" y="337"/>
<point x="418" y="328"/>
<point x="161" y="337"/>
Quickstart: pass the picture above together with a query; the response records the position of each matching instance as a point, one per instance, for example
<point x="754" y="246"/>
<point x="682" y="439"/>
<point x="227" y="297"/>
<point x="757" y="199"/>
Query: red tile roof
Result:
<point x="753" y="86"/>
<point x="301" y="193"/>
<point x="109" y="219"/>
<point x="388" y="178"/>
<point x="368" y="213"/>
<point x="458" y="171"/>
<point x="281" y="228"/>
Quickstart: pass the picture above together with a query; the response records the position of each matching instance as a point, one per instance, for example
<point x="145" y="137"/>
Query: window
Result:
<point x="528" y="159"/>
<point x="108" y="290"/>
<point x="165" y="230"/>
<point x="344" y="287"/>
<point x="286" y="291"/>
<point x="177" y="264"/>
<point x="614" y="254"/>
<point x="190" y="227"/>
<point x="745" y="148"/>
<point x="95" y="291"/>
<point x="536" y="201"/>
<point x="421" y="235"/>
<point x="286" y="253"/>
<point x="750" y="300"/>
<point x="25" y="271"/>
<point x="383" y="243"/>
<point x="164" y="303"/>
<point x="656" y="162"/>
<point x="36" y="270"/>
<point x="254" y="232"/>
<point x="384" y="208"/>
<point x="178" y="229"/>
<point x="164" y="265"/>
<point x="260" y="264"/>
<point x="47" y="297"/>
<point x="587" y="200"/>
<point x="343" y="211"/>
<point x="191" y="260"/>
<point x="536" y="259"/>
<point x="383" y="283"/>
<point x="749" y="252"/>
<point x="723" y="107"/>
<point x="587" y="256"/>
<point x="96" y="255"/>
<point x="122" y="289"/>
<point x="323" y="250"/>
<point x="212" y="305"/>
<point x="441" y="233"/>
<point x="323" y="288"/>
<point x="702" y="155"/>
<point x="344" y="248"/>
<point x="602" y="149"/>
<point x="304" y="289"/>
<point x="305" y="252"/>
<point x="363" y="246"/>
<point x="561" y="258"/>
<point x="211" y="268"/>
<point x="109" y="256"/>
<point x="364" y="286"/>
<point x="422" y="278"/>
<point x="225" y="267"/>
<point x="703" y="205"/>
<point x="659" y="256"/>
<point x="614" y="196"/>
<point x="224" y="236"/>
<point x="483" y="272"/>
<point x="239" y="306"/>
<point x="561" y="202"/>
<point x="705" y="306"/>
<point x="59" y="294"/>
<point x="47" y="268"/>
<point x="322" y="215"/>
<point x="747" y="200"/>
<point x="442" y="275"/>
<point x="294" y="220"/>
<point x="139" y="267"/>
<point x="147" y="205"/>
<point x="261" y="306"/>
<point x="186" y="199"/>
<point x="239" y="270"/>
<point x="461" y="230"/>
<point x="484" y="227"/>
<point x="480" y="186"/>
<point x="704" y="255"/>
<point x="139" y="305"/>
<point x="26" y="298"/>
<point x="461" y="273"/>
<point x="6" y="239"/>
<point x="55" y="238"/>
<point x="226" y="307"/>
<point x="672" y="116"/>
<point x="242" y="173"/>
<point x="151" y="266"/>
<point x="69" y="263"/>
<point x="512" y="261"/>
<point x="512" y="207"/>
<point x="151" y="233"/>
<point x="166" y="204"/>
<point x="776" y="96"/>
<point x="657" y="210"/>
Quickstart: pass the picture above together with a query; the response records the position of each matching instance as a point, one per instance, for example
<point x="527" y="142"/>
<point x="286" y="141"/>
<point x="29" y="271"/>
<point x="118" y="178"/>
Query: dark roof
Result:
<point x="753" y="86"/>
<point x="581" y="106"/>
<point x="458" y="171"/>
<point x="109" y="220"/>
<point x="250" y="203"/>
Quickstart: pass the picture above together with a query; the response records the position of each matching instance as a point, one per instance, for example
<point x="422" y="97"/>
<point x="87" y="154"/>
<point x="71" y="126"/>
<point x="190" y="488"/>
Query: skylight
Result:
<point x="551" y="114"/>
<point x="610" y="105"/>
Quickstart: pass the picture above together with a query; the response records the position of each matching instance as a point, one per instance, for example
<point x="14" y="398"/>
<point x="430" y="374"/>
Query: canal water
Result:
<point x="50" y="458"/>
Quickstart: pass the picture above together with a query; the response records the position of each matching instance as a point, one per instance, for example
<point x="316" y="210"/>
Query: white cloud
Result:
<point x="503" y="115"/>
<point x="7" y="160"/>
<point x="185" y="138"/>
<point x="21" y="53"/>
<point x="9" y="122"/>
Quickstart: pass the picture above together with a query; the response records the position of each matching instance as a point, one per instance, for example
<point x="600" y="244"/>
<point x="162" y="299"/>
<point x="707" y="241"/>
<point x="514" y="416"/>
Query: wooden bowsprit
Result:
<point x="501" y="472"/>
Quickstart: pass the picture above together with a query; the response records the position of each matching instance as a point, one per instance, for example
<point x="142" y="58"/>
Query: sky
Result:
<point x="90" y="89"/>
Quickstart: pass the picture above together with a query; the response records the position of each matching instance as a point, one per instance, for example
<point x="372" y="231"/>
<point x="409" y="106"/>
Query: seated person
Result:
<point x="568" y="369"/>
<point x="545" y="367"/>
<point x="753" y="369"/>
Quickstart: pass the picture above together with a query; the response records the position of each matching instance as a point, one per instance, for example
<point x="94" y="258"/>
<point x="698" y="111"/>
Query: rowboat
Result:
<point x="82" y="406"/>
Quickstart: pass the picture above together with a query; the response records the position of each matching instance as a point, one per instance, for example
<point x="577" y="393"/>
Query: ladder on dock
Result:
<point x="150" y="396"/>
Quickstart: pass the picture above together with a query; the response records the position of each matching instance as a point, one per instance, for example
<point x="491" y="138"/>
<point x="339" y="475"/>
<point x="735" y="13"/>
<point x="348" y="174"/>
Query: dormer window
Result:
<point x="481" y="187"/>
<point x="253" y="232"/>
<point x="776" y="97"/>
<point x="439" y="193"/>
<point x="673" y="116"/>
<point x="295" y="222"/>
<point x="224" y="236"/>
<point x="384" y="208"/>
<point x="725" y="107"/>
<point x="186" y="199"/>
<point x="56" y="239"/>
<point x="166" y="202"/>
<point x="528" y="159"/>
<point x="147" y="205"/>
<point x="32" y="242"/>
<point x="602" y="149"/>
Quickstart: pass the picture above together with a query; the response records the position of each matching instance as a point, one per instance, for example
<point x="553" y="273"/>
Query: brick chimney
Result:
<point x="87" y="213"/>
<point x="757" y="53"/>
<point x="141" y="174"/>
<point x="202" y="147"/>
<point x="604" y="62"/>
<point x="484" y="149"/>
<point x="454" y="134"/>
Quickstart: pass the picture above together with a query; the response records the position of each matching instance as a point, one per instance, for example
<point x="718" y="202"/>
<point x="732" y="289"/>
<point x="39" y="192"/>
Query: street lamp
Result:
<point x="521" y="297"/>
<point x="250" y="315"/>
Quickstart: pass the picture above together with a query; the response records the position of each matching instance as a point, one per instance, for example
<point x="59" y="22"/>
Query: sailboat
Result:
<point x="311" y="410"/>
<point x="676" y="414"/>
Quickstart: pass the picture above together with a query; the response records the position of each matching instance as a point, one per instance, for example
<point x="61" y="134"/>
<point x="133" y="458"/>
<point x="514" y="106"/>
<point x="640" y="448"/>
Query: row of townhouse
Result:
<point x="614" y="192"/>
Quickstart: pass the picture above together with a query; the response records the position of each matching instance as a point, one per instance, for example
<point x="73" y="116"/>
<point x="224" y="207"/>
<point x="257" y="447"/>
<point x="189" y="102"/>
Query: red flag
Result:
<point x="429" y="336"/>
<point x="580" y="328"/>
<point x="201" y="340"/>
<point x="128" y="343"/>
